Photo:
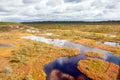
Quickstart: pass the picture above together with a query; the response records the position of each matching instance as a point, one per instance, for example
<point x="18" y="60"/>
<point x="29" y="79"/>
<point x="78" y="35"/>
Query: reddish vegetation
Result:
<point x="97" y="69"/>
<point x="59" y="75"/>
<point x="81" y="78"/>
<point x="3" y="63"/>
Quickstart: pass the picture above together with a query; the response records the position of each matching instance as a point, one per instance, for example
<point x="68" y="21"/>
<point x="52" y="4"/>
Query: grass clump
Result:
<point x="4" y="28"/>
<point x="97" y="69"/>
<point x="31" y="58"/>
<point x="94" y="54"/>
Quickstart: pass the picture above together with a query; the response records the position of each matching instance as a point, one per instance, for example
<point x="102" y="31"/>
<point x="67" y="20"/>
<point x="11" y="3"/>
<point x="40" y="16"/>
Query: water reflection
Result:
<point x="109" y="56"/>
<point x="68" y="65"/>
<point x="110" y="43"/>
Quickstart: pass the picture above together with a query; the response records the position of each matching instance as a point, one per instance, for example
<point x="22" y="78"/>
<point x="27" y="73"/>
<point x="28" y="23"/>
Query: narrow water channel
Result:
<point x="68" y="65"/>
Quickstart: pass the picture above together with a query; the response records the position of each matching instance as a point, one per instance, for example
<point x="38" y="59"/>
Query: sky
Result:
<point x="59" y="10"/>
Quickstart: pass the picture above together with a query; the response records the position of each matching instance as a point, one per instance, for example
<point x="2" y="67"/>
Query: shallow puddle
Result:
<point x="55" y="42"/>
<point x="68" y="65"/>
<point x="109" y="43"/>
<point x="6" y="45"/>
<point x="49" y="34"/>
<point x="112" y="43"/>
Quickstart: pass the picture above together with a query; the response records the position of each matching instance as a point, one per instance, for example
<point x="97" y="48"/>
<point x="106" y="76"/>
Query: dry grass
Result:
<point x="98" y="69"/>
<point x="27" y="58"/>
<point x="30" y="59"/>
<point x="94" y="54"/>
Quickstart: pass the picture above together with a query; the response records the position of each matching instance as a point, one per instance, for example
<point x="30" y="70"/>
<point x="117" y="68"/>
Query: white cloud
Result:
<point x="43" y="10"/>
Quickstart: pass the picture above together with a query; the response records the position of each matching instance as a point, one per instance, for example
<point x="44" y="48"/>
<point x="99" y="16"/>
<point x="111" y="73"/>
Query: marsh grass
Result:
<point x="87" y="27"/>
<point x="28" y="59"/>
<point x="94" y="54"/>
<point x="4" y="28"/>
<point x="98" y="69"/>
<point x="34" y="55"/>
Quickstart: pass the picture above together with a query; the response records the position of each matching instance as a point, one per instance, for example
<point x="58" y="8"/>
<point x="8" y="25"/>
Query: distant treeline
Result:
<point x="64" y="22"/>
<point x="71" y="22"/>
<point x="5" y="23"/>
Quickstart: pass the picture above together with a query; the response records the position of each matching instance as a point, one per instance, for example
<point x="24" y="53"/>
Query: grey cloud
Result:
<point x="72" y="1"/>
<point x="30" y="10"/>
<point x="54" y="3"/>
<point x="30" y="1"/>
<point x="4" y="9"/>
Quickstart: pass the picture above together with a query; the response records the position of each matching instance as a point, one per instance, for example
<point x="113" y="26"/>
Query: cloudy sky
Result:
<point x="59" y="10"/>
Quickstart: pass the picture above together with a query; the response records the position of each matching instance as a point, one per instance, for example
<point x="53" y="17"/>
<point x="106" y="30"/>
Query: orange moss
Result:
<point x="97" y="69"/>
<point x="94" y="54"/>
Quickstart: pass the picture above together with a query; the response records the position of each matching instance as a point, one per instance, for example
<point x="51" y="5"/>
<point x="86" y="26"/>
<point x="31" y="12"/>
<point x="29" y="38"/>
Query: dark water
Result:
<point x="108" y="56"/>
<point x="69" y="64"/>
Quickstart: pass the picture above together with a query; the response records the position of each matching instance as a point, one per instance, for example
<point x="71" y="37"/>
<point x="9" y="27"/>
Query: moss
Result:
<point x="97" y="69"/>
<point x="29" y="57"/>
<point x="94" y="54"/>
<point x="34" y="55"/>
